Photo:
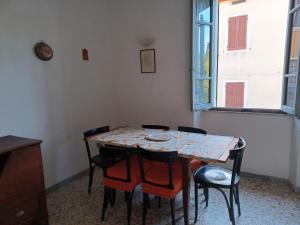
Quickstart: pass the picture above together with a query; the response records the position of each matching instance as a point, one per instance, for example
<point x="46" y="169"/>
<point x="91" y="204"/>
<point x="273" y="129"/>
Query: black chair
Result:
<point x="219" y="178"/>
<point x="192" y="130"/>
<point x="156" y="127"/>
<point x="93" y="160"/>
<point x="161" y="180"/>
<point x="120" y="172"/>
<point x="195" y="163"/>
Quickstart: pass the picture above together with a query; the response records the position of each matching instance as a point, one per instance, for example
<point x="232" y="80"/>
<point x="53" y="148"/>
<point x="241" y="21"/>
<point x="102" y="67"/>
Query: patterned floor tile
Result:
<point x="263" y="202"/>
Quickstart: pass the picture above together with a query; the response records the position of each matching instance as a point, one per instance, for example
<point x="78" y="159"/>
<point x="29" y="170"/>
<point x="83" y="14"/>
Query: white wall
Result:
<point x="295" y="156"/>
<point x="56" y="100"/>
<point x="268" y="139"/>
<point x="162" y="97"/>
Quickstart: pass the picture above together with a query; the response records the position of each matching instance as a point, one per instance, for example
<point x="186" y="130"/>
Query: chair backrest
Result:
<point x="111" y="155"/>
<point x="168" y="157"/>
<point x="90" y="133"/>
<point x="192" y="130"/>
<point x="237" y="156"/>
<point x="157" y="127"/>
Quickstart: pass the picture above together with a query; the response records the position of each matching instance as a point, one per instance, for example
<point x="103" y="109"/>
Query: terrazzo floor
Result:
<point x="263" y="202"/>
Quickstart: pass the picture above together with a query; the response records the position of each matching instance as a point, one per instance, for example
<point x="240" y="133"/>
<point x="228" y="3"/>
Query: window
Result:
<point x="252" y="78"/>
<point x="291" y="69"/>
<point x="237" y="33"/>
<point x="235" y="94"/>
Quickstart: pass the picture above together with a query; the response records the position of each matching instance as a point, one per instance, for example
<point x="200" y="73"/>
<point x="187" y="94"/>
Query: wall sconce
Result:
<point x="145" y="41"/>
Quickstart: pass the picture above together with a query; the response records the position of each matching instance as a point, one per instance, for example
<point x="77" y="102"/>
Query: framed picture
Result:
<point x="148" y="64"/>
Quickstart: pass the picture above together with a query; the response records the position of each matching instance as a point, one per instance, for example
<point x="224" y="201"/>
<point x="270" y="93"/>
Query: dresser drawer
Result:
<point x="23" y="174"/>
<point x="20" y="214"/>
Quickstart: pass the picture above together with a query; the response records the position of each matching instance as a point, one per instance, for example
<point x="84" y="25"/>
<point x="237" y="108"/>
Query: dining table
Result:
<point x="208" y="148"/>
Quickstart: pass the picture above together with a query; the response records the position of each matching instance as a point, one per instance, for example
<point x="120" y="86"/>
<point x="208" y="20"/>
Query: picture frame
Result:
<point x="148" y="61"/>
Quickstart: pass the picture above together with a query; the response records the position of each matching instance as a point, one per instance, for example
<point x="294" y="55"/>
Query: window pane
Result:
<point x="296" y="19"/>
<point x="293" y="66"/>
<point x="204" y="10"/>
<point x="294" y="48"/>
<point x="296" y="2"/>
<point x="290" y="97"/>
<point x="202" y="91"/>
<point x="202" y="67"/>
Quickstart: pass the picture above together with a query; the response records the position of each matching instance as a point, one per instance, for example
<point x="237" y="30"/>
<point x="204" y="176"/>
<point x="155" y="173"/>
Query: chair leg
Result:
<point x="206" y="195"/>
<point x="126" y="196"/>
<point x="91" y="176"/>
<point x="232" y="206"/>
<point x="238" y="199"/>
<point x="172" y="202"/>
<point x="105" y="202"/>
<point x="159" y="202"/>
<point x="129" y="206"/>
<point x="148" y="201"/>
<point x="196" y="202"/>
<point x="112" y="197"/>
<point x="145" y="207"/>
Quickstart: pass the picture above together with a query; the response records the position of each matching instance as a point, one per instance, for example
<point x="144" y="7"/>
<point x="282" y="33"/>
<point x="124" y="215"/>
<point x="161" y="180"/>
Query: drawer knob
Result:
<point x="20" y="213"/>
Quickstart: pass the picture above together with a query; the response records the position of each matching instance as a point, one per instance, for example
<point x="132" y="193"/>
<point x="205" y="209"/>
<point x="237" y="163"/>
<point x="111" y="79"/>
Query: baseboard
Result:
<point x="67" y="181"/>
<point x="273" y="179"/>
<point x="265" y="177"/>
<point x="295" y="188"/>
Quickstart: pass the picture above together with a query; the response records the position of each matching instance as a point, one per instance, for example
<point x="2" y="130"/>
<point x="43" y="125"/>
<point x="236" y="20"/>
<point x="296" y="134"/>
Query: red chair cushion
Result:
<point x="120" y="171"/>
<point x="159" y="174"/>
<point x="196" y="164"/>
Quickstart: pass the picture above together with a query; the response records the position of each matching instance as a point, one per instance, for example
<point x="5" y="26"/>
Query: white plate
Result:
<point x="158" y="137"/>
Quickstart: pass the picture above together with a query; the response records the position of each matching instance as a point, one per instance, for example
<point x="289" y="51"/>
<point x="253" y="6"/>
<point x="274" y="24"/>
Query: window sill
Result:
<point x="250" y="111"/>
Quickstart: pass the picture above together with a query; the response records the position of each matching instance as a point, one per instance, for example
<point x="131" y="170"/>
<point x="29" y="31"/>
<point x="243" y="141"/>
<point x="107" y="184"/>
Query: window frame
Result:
<point x="213" y="55"/>
<point x="294" y="110"/>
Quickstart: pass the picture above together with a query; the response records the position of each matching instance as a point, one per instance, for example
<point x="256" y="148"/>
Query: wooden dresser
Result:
<point x="22" y="191"/>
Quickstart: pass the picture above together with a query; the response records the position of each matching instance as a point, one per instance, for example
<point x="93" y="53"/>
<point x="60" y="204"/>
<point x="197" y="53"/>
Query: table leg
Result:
<point x="186" y="188"/>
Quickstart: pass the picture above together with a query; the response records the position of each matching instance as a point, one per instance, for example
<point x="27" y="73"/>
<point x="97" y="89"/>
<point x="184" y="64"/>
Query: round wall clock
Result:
<point x="43" y="51"/>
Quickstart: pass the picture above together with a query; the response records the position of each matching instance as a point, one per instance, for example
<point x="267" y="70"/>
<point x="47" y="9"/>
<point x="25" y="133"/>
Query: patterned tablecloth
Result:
<point x="191" y="145"/>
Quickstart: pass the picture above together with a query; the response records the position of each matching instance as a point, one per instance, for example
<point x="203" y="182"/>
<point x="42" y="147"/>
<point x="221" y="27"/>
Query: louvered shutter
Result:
<point x="237" y="33"/>
<point x="232" y="33"/>
<point x="242" y="32"/>
<point x="235" y="95"/>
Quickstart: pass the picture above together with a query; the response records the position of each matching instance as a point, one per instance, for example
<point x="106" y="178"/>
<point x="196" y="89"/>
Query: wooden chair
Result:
<point x="195" y="163"/>
<point x="219" y="178"/>
<point x="156" y="127"/>
<point x="163" y="180"/>
<point x="93" y="160"/>
<point x="122" y="175"/>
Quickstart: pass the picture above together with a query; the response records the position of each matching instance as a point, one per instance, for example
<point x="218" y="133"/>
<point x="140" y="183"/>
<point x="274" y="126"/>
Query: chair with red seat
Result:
<point x="163" y="179"/>
<point x="93" y="160"/>
<point x="123" y="175"/>
<point x="195" y="163"/>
